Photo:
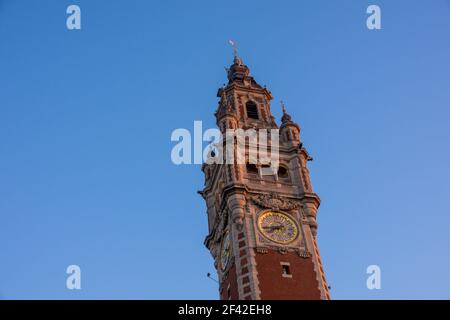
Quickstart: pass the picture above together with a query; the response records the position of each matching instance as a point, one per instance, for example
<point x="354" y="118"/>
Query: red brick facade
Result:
<point x="303" y="284"/>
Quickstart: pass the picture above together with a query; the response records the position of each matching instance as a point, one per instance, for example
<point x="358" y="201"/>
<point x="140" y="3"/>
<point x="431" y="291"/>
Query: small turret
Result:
<point x="289" y="130"/>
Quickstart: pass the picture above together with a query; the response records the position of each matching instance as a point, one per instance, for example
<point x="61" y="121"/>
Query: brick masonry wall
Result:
<point x="303" y="284"/>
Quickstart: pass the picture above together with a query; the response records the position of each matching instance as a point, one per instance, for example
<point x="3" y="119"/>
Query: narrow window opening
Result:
<point x="286" y="270"/>
<point x="252" y="110"/>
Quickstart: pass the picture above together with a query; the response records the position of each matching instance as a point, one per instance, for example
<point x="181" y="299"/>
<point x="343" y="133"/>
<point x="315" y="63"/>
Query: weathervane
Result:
<point x="235" y="51"/>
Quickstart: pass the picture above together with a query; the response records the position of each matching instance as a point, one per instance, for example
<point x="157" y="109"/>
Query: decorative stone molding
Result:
<point x="301" y="252"/>
<point x="304" y="253"/>
<point x="262" y="250"/>
<point x="275" y="202"/>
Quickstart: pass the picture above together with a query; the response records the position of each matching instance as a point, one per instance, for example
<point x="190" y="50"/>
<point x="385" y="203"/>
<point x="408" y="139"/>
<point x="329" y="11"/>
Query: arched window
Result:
<point x="252" y="110"/>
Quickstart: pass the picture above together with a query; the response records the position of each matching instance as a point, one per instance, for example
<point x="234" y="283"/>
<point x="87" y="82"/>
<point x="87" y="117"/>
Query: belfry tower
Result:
<point x="262" y="227"/>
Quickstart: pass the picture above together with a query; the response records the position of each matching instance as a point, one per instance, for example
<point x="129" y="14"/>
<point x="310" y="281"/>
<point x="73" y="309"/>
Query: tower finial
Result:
<point x="286" y="118"/>
<point x="234" y="46"/>
<point x="283" y="107"/>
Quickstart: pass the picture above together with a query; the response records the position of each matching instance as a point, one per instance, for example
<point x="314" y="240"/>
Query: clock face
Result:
<point x="225" y="251"/>
<point x="278" y="227"/>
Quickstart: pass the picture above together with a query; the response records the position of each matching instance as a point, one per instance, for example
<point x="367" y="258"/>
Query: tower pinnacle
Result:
<point x="286" y="118"/>
<point x="237" y="60"/>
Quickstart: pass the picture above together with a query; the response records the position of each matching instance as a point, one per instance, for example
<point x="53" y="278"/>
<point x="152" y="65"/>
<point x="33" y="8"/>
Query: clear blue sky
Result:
<point x="86" y="118"/>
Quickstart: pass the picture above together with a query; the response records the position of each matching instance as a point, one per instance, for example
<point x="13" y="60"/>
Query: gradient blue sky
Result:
<point x="86" y="118"/>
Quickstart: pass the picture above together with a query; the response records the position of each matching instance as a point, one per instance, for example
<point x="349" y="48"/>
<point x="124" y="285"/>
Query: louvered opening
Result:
<point x="252" y="110"/>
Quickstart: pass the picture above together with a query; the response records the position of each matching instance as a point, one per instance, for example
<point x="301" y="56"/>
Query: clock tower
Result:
<point x="261" y="217"/>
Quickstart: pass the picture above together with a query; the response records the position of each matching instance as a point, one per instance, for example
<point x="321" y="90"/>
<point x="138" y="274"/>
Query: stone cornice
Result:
<point x="311" y="197"/>
<point x="235" y="86"/>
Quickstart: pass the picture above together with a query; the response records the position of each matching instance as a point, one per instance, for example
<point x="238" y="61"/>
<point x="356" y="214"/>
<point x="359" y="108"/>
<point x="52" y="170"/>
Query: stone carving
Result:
<point x="304" y="253"/>
<point x="275" y="202"/>
<point x="262" y="250"/>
